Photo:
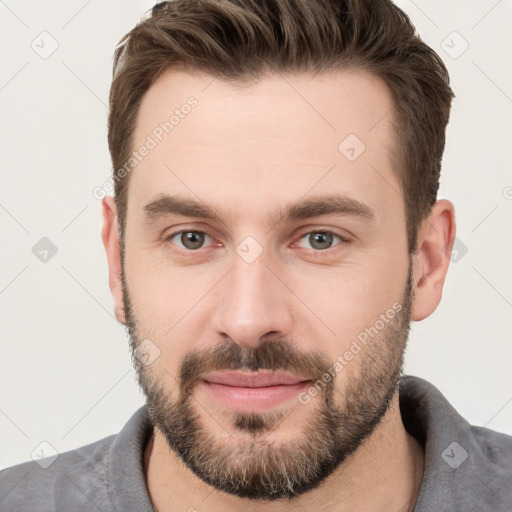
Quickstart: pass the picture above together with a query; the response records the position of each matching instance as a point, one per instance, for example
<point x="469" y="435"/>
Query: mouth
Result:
<point x="252" y="391"/>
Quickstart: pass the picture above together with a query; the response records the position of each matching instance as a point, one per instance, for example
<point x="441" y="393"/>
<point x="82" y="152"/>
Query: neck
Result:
<point x="384" y="474"/>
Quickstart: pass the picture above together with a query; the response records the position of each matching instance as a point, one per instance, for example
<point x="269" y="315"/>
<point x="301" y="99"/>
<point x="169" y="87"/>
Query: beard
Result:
<point x="246" y="462"/>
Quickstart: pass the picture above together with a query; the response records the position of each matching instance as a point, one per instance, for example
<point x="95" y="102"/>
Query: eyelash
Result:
<point x="319" y="252"/>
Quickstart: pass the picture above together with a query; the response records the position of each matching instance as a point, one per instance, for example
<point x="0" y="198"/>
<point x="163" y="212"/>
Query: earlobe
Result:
<point x="110" y="237"/>
<point x="432" y="258"/>
<point x="119" y="312"/>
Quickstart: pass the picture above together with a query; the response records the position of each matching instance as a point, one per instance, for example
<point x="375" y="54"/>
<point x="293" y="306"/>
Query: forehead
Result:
<point x="281" y="136"/>
<point x="334" y="103"/>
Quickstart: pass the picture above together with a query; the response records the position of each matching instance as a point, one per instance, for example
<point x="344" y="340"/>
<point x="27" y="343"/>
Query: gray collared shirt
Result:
<point x="467" y="468"/>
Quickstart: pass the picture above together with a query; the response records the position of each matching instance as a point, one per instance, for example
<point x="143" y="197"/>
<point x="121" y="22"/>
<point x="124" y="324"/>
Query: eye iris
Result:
<point x="320" y="240"/>
<point x="192" y="239"/>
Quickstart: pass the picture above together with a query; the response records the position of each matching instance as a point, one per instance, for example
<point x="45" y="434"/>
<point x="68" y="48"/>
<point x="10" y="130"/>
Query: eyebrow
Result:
<point x="336" y="204"/>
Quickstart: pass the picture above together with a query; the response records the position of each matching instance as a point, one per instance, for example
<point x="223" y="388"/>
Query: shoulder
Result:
<point x="496" y="447"/>
<point x="466" y="466"/>
<point x="74" y="480"/>
<point x="492" y="462"/>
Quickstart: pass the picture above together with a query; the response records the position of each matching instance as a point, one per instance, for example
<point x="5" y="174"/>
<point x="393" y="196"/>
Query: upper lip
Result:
<point x="252" y="379"/>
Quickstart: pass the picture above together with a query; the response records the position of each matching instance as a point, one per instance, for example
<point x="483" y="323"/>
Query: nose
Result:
<point x="252" y="304"/>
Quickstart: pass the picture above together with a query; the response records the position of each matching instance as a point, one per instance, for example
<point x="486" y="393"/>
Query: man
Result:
<point x="274" y="231"/>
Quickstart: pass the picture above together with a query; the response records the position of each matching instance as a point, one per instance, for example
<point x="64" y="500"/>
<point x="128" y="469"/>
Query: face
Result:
<point x="266" y="274"/>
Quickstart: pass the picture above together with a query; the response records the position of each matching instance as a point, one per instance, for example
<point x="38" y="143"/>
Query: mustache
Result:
<point x="269" y="355"/>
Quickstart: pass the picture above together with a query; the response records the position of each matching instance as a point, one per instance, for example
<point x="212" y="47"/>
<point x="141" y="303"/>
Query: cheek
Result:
<point x="344" y="302"/>
<point x="168" y="306"/>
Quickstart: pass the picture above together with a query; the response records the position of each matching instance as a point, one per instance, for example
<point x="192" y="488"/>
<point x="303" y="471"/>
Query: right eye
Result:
<point x="188" y="239"/>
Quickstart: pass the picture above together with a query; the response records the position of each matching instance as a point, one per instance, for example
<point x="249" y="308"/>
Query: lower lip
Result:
<point x="243" y="398"/>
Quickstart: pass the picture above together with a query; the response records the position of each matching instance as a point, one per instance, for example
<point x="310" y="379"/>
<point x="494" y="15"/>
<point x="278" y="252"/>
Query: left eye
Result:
<point x="191" y="240"/>
<point x="321" y="240"/>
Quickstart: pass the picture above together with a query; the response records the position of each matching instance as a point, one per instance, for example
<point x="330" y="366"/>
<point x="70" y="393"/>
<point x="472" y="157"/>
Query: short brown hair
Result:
<point x="241" y="40"/>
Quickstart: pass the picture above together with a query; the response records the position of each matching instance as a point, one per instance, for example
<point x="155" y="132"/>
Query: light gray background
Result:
<point x="65" y="371"/>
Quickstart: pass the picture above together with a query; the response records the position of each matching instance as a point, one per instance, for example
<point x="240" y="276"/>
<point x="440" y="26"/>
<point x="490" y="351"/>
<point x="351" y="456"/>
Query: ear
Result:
<point x="110" y="237"/>
<point x="432" y="258"/>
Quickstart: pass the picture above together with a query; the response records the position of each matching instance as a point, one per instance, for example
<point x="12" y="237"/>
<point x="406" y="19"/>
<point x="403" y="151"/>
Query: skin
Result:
<point x="250" y="151"/>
